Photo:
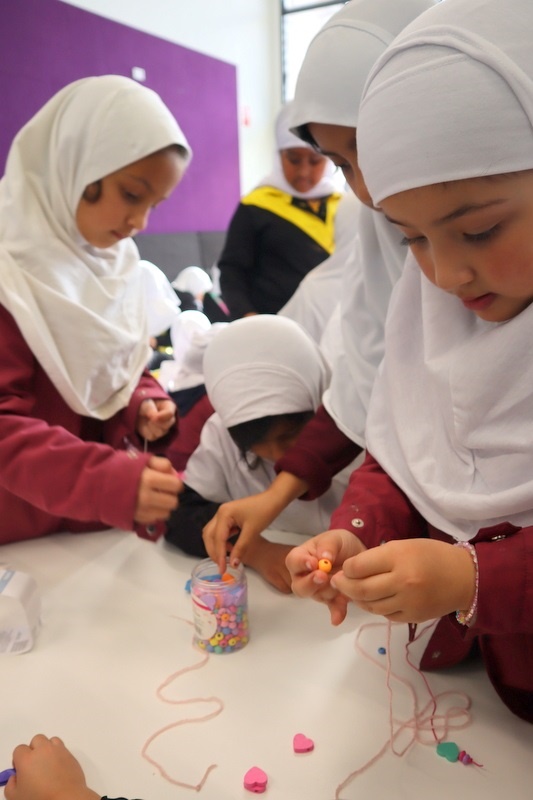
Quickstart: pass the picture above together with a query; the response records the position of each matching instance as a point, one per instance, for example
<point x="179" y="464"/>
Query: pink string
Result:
<point x="423" y="721"/>
<point x="159" y="693"/>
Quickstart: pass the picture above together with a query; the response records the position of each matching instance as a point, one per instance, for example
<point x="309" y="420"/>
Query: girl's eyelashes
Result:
<point x="483" y="236"/>
<point x="409" y="241"/>
<point x="473" y="238"/>
<point x="130" y="196"/>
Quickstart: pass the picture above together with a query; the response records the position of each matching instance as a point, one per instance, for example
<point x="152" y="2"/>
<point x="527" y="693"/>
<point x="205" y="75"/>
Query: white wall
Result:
<point x="242" y="32"/>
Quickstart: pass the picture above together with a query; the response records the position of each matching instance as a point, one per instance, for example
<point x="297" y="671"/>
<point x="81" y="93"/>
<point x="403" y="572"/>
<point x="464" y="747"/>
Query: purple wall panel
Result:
<point x="45" y="44"/>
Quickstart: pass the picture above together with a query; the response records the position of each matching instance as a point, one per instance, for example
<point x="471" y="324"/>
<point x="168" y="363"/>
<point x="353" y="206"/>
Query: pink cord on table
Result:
<point x="144" y="752"/>
<point x="425" y="720"/>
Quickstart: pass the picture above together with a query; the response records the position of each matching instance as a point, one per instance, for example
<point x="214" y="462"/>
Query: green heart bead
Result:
<point x="448" y="750"/>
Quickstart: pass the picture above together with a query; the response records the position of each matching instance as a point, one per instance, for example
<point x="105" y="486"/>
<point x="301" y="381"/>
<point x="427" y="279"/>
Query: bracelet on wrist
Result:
<point x="466" y="617"/>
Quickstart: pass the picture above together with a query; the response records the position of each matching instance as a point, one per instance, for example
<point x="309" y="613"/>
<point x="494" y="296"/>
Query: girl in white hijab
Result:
<point x="264" y="377"/>
<point x="81" y="178"/>
<point x="281" y="230"/>
<point x="325" y="110"/>
<point x="449" y="425"/>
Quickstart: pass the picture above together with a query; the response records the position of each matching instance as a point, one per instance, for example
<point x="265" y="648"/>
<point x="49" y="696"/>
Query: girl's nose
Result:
<point x="450" y="272"/>
<point x="304" y="170"/>
<point x="138" y="218"/>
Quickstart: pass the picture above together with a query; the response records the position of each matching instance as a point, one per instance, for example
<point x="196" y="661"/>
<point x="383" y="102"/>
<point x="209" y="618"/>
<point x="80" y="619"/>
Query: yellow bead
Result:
<point x="325" y="565"/>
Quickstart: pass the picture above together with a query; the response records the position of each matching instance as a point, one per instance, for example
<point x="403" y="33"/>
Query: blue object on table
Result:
<point x="5" y="775"/>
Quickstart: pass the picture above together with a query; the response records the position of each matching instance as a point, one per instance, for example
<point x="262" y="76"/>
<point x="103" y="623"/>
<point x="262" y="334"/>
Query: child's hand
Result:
<point x="268" y="559"/>
<point x="409" y="580"/>
<point x="46" y="770"/>
<point x="309" y="581"/>
<point x="155" y="418"/>
<point x="248" y="517"/>
<point x="158" y="491"/>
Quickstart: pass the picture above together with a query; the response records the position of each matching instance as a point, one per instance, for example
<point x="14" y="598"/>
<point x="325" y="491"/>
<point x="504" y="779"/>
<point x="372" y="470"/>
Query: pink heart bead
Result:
<point x="302" y="744"/>
<point x="255" y="780"/>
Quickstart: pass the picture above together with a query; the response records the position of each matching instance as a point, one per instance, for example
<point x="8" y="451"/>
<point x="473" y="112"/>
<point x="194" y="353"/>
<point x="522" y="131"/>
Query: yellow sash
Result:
<point x="280" y="203"/>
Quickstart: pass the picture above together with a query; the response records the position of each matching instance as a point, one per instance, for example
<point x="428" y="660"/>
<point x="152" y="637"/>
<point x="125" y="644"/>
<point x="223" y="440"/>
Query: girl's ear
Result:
<point x="92" y="192"/>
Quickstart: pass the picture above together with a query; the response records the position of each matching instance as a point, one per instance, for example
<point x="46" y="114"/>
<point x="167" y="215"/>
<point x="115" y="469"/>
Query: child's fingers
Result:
<point x="215" y="535"/>
<point x="148" y="409"/>
<point x="161" y="464"/>
<point x="373" y="593"/>
<point x="246" y="537"/>
<point x="338" y="608"/>
<point x="376" y="561"/>
<point x="303" y="560"/>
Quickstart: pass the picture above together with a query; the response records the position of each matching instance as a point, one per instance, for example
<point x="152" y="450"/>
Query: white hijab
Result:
<point x="328" y="90"/>
<point x="161" y="301"/>
<point x="450" y="416"/>
<point x="285" y="140"/>
<point x="194" y="280"/>
<point x="79" y="308"/>
<point x="256" y="367"/>
<point x="190" y="334"/>
<point x="318" y="294"/>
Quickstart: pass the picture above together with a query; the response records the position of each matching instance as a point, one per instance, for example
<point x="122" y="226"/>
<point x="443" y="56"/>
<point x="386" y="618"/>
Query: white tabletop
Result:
<point x="115" y="626"/>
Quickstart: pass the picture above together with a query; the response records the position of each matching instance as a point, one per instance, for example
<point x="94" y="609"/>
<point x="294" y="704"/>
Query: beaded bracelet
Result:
<point x="466" y="617"/>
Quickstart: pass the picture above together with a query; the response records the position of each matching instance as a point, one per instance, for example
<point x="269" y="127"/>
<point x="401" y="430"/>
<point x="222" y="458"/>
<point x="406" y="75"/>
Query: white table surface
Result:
<point x="114" y="627"/>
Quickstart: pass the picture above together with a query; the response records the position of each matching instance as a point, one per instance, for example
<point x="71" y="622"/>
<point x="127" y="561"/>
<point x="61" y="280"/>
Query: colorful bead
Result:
<point x="325" y="565"/>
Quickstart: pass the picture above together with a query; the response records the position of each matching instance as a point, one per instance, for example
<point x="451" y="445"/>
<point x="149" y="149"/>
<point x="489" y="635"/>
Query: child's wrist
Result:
<point x="468" y="616"/>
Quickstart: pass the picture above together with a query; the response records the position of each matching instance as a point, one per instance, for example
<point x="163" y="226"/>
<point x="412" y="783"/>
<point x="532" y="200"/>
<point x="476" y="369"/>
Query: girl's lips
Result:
<point x="479" y="303"/>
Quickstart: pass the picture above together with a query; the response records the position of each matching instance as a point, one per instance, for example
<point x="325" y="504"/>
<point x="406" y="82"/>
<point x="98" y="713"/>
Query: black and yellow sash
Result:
<point x="280" y="203"/>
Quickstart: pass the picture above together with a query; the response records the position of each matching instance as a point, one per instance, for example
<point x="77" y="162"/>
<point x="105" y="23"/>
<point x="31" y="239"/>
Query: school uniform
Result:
<point x="504" y="552"/>
<point x="449" y="422"/>
<point x="64" y="471"/>
<point x="328" y="89"/>
<point x="257" y="367"/>
<point x="72" y="317"/>
<point x="276" y="236"/>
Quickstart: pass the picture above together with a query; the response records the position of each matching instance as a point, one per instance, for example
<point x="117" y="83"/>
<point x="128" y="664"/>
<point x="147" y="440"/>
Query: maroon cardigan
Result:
<point x="59" y="470"/>
<point x="376" y="510"/>
<point x="320" y="452"/>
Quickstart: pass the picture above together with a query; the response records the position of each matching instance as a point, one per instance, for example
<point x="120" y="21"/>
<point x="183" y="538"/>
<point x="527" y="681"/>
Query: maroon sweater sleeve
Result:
<point x="191" y="426"/>
<point x="120" y="430"/>
<point x="46" y="461"/>
<point x="505" y="600"/>
<point x="376" y="509"/>
<point x="321" y="451"/>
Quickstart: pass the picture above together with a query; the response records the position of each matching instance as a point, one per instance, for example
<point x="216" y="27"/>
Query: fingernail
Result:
<point x="327" y="555"/>
<point x="332" y="583"/>
<point x="308" y="566"/>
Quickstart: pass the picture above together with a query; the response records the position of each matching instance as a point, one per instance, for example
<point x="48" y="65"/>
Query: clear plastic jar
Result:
<point x="220" y="607"/>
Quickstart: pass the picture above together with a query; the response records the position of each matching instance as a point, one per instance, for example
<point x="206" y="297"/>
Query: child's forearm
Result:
<point x="284" y="489"/>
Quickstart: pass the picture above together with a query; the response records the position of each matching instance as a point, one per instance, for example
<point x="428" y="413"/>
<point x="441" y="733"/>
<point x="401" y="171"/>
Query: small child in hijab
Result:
<point x="77" y="407"/>
<point x="162" y="308"/>
<point x="444" y="522"/>
<point x="281" y="230"/>
<point x="195" y="288"/>
<point x="264" y="377"/>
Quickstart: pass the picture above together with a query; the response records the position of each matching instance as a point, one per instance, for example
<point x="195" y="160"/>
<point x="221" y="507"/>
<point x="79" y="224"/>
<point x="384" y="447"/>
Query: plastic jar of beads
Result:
<point x="220" y="607"/>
